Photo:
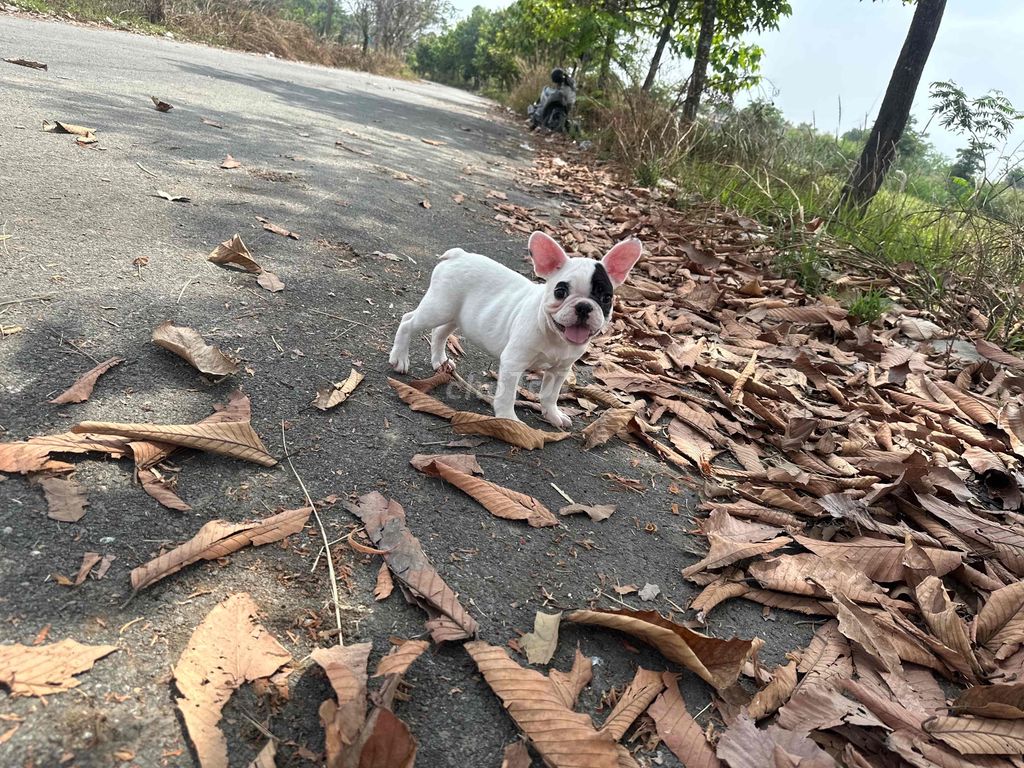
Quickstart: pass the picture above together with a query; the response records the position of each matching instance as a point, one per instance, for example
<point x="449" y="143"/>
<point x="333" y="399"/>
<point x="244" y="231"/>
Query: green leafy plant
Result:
<point x="868" y="306"/>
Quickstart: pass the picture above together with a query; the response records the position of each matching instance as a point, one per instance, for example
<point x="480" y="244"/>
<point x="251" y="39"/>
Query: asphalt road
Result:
<point x="87" y="229"/>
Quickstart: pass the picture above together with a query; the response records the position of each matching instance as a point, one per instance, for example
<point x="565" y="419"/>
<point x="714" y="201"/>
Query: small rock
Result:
<point x="649" y="592"/>
<point x="35" y="553"/>
<point x="107" y="540"/>
<point x="8" y="530"/>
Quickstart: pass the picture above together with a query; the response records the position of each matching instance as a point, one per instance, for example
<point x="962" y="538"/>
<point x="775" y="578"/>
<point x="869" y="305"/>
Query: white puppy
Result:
<point x="526" y="325"/>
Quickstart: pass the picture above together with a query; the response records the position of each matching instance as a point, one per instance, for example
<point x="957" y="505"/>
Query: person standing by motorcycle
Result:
<point x="552" y="110"/>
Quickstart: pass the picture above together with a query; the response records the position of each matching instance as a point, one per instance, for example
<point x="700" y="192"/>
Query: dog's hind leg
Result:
<point x="439" y="345"/>
<point x="429" y="314"/>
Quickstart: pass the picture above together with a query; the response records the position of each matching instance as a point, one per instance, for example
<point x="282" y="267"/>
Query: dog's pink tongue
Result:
<point x="577" y="334"/>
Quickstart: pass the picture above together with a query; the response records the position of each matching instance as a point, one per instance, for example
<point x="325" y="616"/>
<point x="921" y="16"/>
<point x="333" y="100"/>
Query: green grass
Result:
<point x="867" y="307"/>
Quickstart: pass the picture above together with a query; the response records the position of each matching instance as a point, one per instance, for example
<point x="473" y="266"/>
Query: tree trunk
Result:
<point x="155" y="11"/>
<point x="663" y="38"/>
<point x="880" y="149"/>
<point x="606" y="61"/>
<point x="699" y="76"/>
<point x="325" y="30"/>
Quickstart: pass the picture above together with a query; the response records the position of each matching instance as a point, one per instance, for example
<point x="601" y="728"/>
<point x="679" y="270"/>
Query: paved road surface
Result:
<point x="78" y="219"/>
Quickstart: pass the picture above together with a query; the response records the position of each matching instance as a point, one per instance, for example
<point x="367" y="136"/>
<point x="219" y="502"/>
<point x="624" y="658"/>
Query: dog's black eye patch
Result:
<point x="601" y="289"/>
<point x="561" y="290"/>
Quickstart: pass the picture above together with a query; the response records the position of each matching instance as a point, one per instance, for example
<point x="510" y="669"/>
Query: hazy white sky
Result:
<point x="841" y="52"/>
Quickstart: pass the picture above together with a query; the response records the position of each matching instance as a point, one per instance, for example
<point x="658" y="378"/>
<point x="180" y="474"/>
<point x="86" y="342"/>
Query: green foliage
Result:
<point x="868" y="306"/>
<point x="806" y="266"/>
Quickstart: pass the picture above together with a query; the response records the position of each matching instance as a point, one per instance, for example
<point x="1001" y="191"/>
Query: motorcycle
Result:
<point x="552" y="110"/>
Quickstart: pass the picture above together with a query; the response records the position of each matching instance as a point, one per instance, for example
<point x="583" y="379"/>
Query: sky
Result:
<point x="829" y="63"/>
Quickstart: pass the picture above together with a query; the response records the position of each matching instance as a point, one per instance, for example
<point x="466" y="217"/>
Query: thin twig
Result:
<point x="340" y="317"/>
<point x="562" y="493"/>
<point x="144" y="168"/>
<point x="323" y="533"/>
<point x="43" y="297"/>
<point x="186" y="285"/>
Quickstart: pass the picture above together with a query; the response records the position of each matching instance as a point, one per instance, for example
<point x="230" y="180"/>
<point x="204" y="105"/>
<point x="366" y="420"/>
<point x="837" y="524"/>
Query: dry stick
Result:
<point x="43" y="297"/>
<point x="323" y="533"/>
<point x="186" y="285"/>
<point x="144" y="168"/>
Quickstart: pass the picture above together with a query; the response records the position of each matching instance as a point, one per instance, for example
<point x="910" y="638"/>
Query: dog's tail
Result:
<point x="450" y="254"/>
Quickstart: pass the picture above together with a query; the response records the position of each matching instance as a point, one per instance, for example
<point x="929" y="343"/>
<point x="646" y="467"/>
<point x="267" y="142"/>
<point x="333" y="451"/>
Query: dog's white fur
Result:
<point x="526" y="325"/>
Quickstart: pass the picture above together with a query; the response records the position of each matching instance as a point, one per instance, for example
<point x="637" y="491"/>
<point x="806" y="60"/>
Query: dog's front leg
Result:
<point x="550" y="387"/>
<point x="509" y="372"/>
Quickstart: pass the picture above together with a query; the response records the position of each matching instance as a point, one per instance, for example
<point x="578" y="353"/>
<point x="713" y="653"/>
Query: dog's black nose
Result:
<point x="583" y="310"/>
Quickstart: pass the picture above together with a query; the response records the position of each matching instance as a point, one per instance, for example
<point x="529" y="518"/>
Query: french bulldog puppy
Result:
<point x="526" y="325"/>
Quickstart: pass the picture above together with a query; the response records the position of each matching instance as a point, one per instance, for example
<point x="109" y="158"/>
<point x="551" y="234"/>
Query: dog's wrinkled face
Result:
<point x="578" y="291"/>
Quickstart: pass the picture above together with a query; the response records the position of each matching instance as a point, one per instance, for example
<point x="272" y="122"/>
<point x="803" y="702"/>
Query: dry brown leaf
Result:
<point x="33" y="455"/>
<point x="229" y="163"/>
<point x="27" y="63"/>
<point x="332" y="396"/>
<point x="1003" y="701"/>
<point x="724" y="551"/>
<point x="345" y="667"/>
<point x="744" y="745"/>
<point x="266" y="757"/>
<point x="385" y="585"/>
<point x="568" y="685"/>
<point x="385" y="525"/>
<point x="219" y="538"/>
<point x="229" y="648"/>
<point x="162" y="490"/>
<point x="516" y="755"/>
<point x="512" y="432"/>
<point x="826" y="658"/>
<point x="401" y="657"/>
<point x="715" y="661"/>
<point x="236" y="439"/>
<point x="160" y="105"/>
<point x="499" y="501"/>
<point x="539" y="645"/>
<point x="775" y="694"/>
<point x="463" y="462"/>
<point x="860" y="627"/>
<point x="270" y="282"/>
<point x="644" y="688"/>
<point x="149" y="454"/>
<point x="1000" y="621"/>
<point x="430" y="383"/>
<point x="421" y="401"/>
<point x="979" y="735"/>
<point x="808" y="574"/>
<point x="89" y="561"/>
<point x="1007" y="542"/>
<point x="920" y="330"/>
<point x="940" y="615"/>
<point x="820" y="707"/>
<point x="880" y="560"/>
<point x="75" y="130"/>
<point x="187" y="344"/>
<point x="80" y="391"/>
<point x="42" y="670"/>
<point x="271" y="227"/>
<point x="596" y="512"/>
<point x="171" y="198"/>
<point x="425" y="203"/>
<point x="234" y="252"/>
<point x="606" y="426"/>
<point x="434" y="142"/>
<point x="65" y="498"/>
<point x="680" y="732"/>
<point x="998" y="355"/>
<point x="563" y="738"/>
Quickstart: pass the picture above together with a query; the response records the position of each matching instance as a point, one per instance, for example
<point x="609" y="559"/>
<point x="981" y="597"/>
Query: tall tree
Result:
<point x="708" y="16"/>
<point x="664" y="36"/>
<point x="880" y="150"/>
<point x="328" y="20"/>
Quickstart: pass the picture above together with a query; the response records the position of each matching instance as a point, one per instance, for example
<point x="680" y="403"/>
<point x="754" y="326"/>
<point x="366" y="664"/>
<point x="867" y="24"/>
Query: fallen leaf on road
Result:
<point x="540" y="644"/>
<point x="33" y="455"/>
<point x="65" y="498"/>
<point x="104" y="566"/>
<point x="234" y="252"/>
<point x="595" y="512"/>
<point x="717" y="662"/>
<point x="512" y="432"/>
<point x="744" y="745"/>
<point x="385" y="524"/>
<point x="75" y="130"/>
<point x="162" y="489"/>
<point x="1002" y="700"/>
<point x="568" y="685"/>
<point x="172" y="198"/>
<point x="27" y="63"/>
<point x="421" y="401"/>
<point x="266" y="756"/>
<point x="434" y="142"/>
<point x="46" y="669"/>
<point x="677" y="728"/>
<point x="463" y="462"/>
<point x="979" y="735"/>
<point x="10" y="330"/>
<point x="458" y="199"/>
<point x="187" y="344"/>
<point x="642" y="690"/>
<point x="516" y="755"/>
<point x="333" y="396"/>
<point x="161" y="106"/>
<point x="212" y="123"/>
<point x="920" y="330"/>
<point x="236" y="439"/>
<point x="89" y="561"/>
<point x="229" y="163"/>
<point x="499" y="501"/>
<point x="385" y="585"/>
<point x="565" y="739"/>
<point x="606" y="426"/>
<point x="219" y="538"/>
<point x="228" y="649"/>
<point x="401" y="657"/>
<point x="271" y="227"/>
<point x="80" y="391"/>
<point x="148" y="454"/>
<point x="495" y="194"/>
<point x="345" y="667"/>
<point x="1001" y="619"/>
<point x="775" y="694"/>
<point x="425" y="203"/>
<point x="270" y="281"/>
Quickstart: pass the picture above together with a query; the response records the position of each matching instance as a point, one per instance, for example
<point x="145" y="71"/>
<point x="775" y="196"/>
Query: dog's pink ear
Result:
<point x="548" y="256"/>
<point x="620" y="259"/>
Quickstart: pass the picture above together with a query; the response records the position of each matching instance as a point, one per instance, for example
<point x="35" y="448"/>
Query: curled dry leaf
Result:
<point x="565" y="739"/>
<point x="236" y="439"/>
<point x="463" y="462"/>
<point x="979" y="735"/>
<point x="271" y="227"/>
<point x="401" y="657"/>
<point x="42" y="670"/>
<point x="775" y="694"/>
<point x="270" y="282"/>
<point x="82" y="388"/>
<point x="65" y="498"/>
<point x="385" y="524"/>
<point x="644" y="688"/>
<point x="568" y="685"/>
<point x="162" y="489"/>
<point x="33" y="455"/>
<point x="187" y="344"/>
<point x="516" y="755"/>
<point x="540" y="644"/>
<point x="229" y="648"/>
<point x="744" y="745"/>
<point x="1001" y="620"/>
<point x="717" y="662"/>
<point x="879" y="559"/>
<point x="385" y="585"/>
<point x="1003" y="701"/>
<point x="512" y="432"/>
<point x="229" y="163"/>
<point x="89" y="561"/>
<point x="333" y="396"/>
<point x="606" y="426"/>
<point x="149" y="454"/>
<point x="27" y="63"/>
<point x="421" y="401"/>
<point x="75" y="130"/>
<point x="235" y="253"/>
<point x="219" y="538"/>
<point x="172" y="198"/>
<point x="596" y="512"/>
<point x="677" y="728"/>
<point x="499" y="501"/>
<point x="160" y="105"/>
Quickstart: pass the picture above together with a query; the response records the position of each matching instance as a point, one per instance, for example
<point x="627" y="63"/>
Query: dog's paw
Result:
<point x="445" y="365"/>
<point x="557" y="418"/>
<point x="399" y="362"/>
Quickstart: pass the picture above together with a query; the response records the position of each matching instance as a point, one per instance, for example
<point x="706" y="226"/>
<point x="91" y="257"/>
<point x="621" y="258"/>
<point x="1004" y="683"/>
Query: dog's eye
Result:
<point x="561" y="291"/>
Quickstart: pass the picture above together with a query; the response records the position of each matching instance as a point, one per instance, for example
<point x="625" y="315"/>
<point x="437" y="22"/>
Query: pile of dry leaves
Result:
<point x="867" y="476"/>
